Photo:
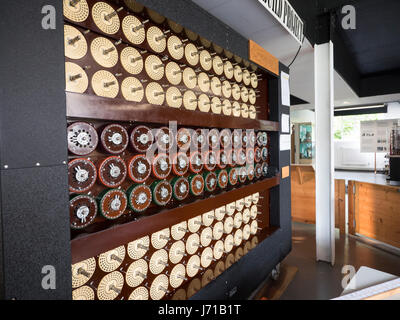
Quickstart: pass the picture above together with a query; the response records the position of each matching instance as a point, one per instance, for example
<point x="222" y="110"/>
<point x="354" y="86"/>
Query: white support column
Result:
<point x="324" y="173"/>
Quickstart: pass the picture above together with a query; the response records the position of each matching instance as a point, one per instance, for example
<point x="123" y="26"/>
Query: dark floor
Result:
<point x="319" y="280"/>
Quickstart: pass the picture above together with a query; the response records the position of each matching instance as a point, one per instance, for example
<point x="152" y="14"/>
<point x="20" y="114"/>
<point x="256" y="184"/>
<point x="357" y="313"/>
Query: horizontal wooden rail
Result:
<point x="94" y="107"/>
<point x="88" y="246"/>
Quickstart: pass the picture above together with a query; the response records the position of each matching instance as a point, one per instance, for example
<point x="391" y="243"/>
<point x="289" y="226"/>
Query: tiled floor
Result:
<point x="319" y="280"/>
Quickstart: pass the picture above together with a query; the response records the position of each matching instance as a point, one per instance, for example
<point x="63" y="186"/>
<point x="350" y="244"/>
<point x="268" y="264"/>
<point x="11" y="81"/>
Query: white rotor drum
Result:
<point x="246" y="232"/>
<point x="158" y="261"/>
<point x="138" y="248"/>
<point x="208" y="218"/>
<point x="174" y="97"/>
<point x="218" y="65"/>
<point x="112" y="259"/>
<point x="192" y="243"/>
<point x="82" y="272"/>
<point x="173" y="73"/>
<point x="179" y="230"/>
<point x="190" y="100"/>
<point x="136" y="273"/>
<point x="238" y="237"/>
<point x="226" y="89"/>
<point x="156" y="39"/>
<point x="205" y="60"/>
<point x="230" y="208"/>
<point x="220" y="213"/>
<point x="253" y="211"/>
<point x="155" y="93"/>
<point x="160" y="238"/>
<point x="194" y="224"/>
<point x="218" y="230"/>
<point x="228" y="70"/>
<point x="159" y="287"/>
<point x="132" y="89"/>
<point x="204" y="103"/>
<point x="240" y="204"/>
<point x="216" y="86"/>
<point x="83" y="293"/>
<point x="226" y="107"/>
<point x="154" y="67"/>
<point x="207" y="257"/>
<point x="218" y="249"/>
<point x="177" y="276"/>
<point x="204" y="82"/>
<point x="110" y="286"/>
<point x="131" y="27"/>
<point x="237" y="220"/>
<point x="177" y="252"/>
<point x="228" y="243"/>
<point x="246" y="215"/>
<point x="105" y="84"/>
<point x="175" y="47"/>
<point x="192" y="266"/>
<point x="131" y="60"/>
<point x="189" y="78"/>
<point x="140" y="293"/>
<point x="74" y="43"/>
<point x="104" y="17"/>
<point x="191" y="54"/>
<point x="206" y="237"/>
<point x="76" y="79"/>
<point x="78" y="12"/>
<point x="254" y="227"/>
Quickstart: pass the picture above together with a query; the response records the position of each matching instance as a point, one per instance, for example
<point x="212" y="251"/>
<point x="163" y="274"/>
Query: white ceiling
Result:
<point x="253" y="21"/>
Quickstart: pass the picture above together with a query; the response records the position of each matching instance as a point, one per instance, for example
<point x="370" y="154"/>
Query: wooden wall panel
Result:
<point x="259" y="55"/>
<point x="351" y="206"/>
<point x="303" y="197"/>
<point x="303" y="194"/>
<point x="377" y="212"/>
<point x="340" y="205"/>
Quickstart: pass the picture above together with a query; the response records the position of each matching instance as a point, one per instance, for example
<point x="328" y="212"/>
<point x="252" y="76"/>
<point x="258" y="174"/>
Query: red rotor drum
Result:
<point x="162" y="192"/>
<point x="82" y="211"/>
<point x="213" y="138"/>
<point x="210" y="181"/>
<point x="112" y="171"/>
<point x="257" y="154"/>
<point x="141" y="139"/>
<point x="250" y="156"/>
<point x="82" y="138"/>
<point x="180" y="188"/>
<point x="82" y="175"/>
<point x="225" y="138"/>
<point x="114" y="139"/>
<point x="237" y="139"/>
<point x="241" y="157"/>
<point x="242" y="174"/>
<point x="139" y="197"/>
<point x="183" y="139"/>
<point x="162" y="166"/>
<point x="258" y="170"/>
<point x="139" y="168"/>
<point x="199" y="139"/>
<point x="196" y="184"/>
<point x="164" y="139"/>
<point x="210" y="160"/>
<point x="113" y="203"/>
<point x="223" y="159"/>
<point x="181" y="164"/>
<point x="250" y="172"/>
<point x="196" y="162"/>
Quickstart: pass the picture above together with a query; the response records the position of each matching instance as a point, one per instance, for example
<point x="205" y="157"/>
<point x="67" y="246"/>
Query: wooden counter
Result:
<point x="303" y="196"/>
<point x="375" y="211"/>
